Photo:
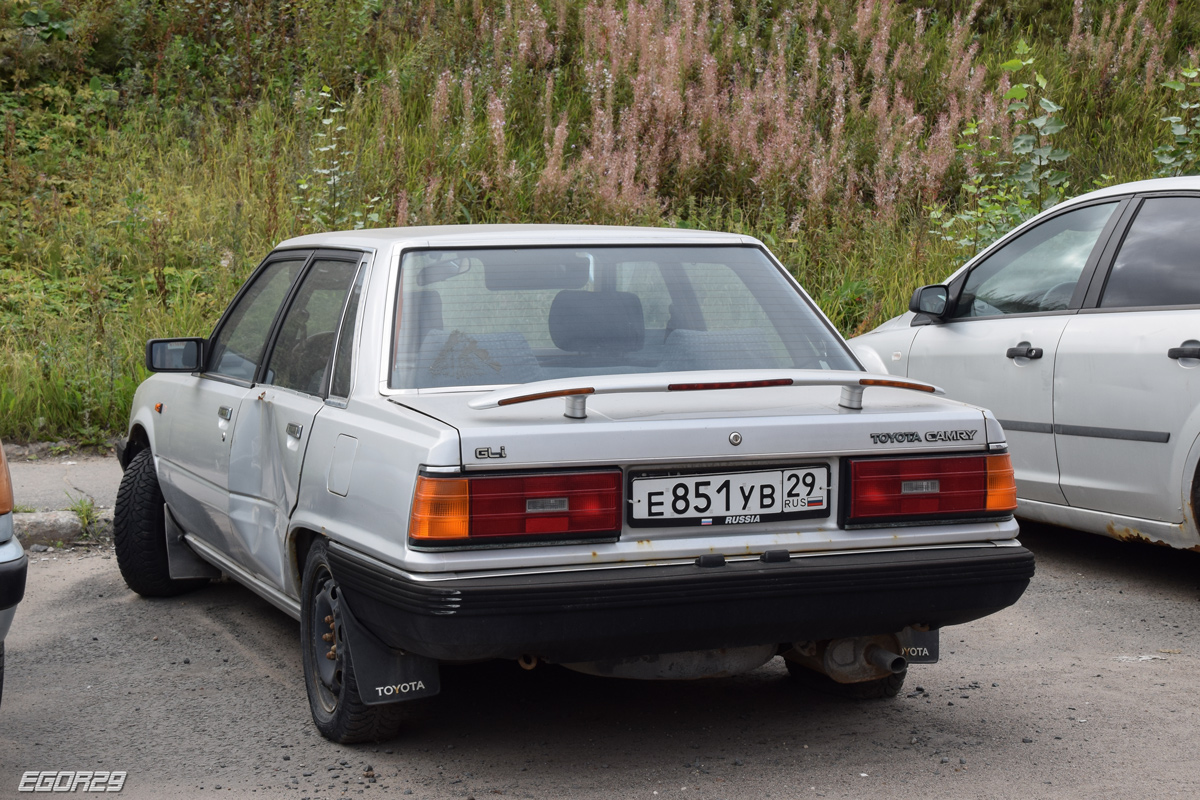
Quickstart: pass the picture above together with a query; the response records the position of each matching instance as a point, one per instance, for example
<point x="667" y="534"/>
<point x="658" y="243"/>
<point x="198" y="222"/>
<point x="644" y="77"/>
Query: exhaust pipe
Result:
<point x="528" y="661"/>
<point x="885" y="659"/>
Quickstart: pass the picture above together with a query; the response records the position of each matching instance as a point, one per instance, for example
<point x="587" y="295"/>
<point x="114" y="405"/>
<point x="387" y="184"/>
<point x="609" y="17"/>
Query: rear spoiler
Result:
<point x="576" y="390"/>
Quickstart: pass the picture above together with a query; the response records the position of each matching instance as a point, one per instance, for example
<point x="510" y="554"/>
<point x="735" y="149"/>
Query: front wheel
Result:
<point x="140" y="533"/>
<point x="337" y="710"/>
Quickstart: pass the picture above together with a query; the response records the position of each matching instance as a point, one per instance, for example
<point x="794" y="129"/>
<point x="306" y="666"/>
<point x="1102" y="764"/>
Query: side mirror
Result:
<point x="174" y="355"/>
<point x="932" y="301"/>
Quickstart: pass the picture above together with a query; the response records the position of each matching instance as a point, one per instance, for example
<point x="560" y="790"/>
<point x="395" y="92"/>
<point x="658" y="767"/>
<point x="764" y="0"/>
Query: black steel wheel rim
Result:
<point x="326" y="642"/>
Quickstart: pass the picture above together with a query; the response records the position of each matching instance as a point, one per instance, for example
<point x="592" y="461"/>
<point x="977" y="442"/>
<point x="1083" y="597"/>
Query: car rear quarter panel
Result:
<point x="390" y="446"/>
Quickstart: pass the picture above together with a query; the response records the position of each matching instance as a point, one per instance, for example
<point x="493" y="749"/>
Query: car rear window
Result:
<point x="484" y="317"/>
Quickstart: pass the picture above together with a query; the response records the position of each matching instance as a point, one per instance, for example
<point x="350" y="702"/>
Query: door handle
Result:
<point x="294" y="430"/>
<point x="225" y="412"/>
<point x="1023" y="352"/>
<point x="1184" y="352"/>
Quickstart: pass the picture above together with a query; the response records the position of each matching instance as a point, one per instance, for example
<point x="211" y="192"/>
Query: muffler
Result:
<point x="853" y="660"/>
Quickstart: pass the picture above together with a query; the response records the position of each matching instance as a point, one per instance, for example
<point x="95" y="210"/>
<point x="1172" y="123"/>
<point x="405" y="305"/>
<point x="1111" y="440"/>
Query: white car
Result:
<point x="1080" y="330"/>
<point x="633" y="452"/>
<point x="13" y="562"/>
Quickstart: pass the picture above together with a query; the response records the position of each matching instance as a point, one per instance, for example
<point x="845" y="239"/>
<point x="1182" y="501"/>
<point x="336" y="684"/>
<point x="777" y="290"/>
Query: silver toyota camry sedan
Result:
<point x="642" y="453"/>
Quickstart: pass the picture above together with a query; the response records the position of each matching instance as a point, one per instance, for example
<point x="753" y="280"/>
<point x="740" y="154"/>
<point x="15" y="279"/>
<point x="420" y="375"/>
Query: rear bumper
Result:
<point x="610" y="613"/>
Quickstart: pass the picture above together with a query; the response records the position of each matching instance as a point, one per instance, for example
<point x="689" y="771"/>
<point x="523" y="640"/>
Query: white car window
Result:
<point x="1159" y="261"/>
<point x="1038" y="270"/>
<point x="485" y="317"/>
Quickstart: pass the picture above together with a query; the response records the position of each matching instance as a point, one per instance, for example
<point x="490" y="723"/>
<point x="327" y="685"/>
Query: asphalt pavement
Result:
<point x="1085" y="688"/>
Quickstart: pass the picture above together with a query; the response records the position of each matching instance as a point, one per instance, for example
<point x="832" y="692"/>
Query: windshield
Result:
<point x="484" y="317"/>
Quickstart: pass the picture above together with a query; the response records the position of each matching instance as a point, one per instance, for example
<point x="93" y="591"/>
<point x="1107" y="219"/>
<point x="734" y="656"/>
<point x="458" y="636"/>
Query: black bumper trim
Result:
<point x="12" y="581"/>
<point x="578" y="616"/>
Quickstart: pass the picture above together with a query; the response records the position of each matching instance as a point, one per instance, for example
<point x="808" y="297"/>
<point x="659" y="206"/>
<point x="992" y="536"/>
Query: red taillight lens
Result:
<point x="518" y="507"/>
<point x="884" y="489"/>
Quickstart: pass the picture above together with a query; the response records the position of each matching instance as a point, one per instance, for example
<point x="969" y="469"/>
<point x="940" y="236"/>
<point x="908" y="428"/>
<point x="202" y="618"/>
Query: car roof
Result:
<point x="1186" y="182"/>
<point x="507" y="235"/>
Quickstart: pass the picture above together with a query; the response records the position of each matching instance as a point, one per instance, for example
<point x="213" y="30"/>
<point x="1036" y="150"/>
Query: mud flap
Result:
<point x="182" y="561"/>
<point x="385" y="675"/>
<point x="919" y="647"/>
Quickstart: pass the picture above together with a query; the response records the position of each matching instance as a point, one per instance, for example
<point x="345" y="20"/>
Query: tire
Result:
<point x="140" y="533"/>
<point x="338" y="712"/>
<point x="880" y="689"/>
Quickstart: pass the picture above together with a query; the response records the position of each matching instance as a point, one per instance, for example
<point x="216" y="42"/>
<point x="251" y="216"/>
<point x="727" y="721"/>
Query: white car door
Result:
<point x="1127" y="376"/>
<point x="194" y="463"/>
<point x="276" y="417"/>
<point x="998" y="348"/>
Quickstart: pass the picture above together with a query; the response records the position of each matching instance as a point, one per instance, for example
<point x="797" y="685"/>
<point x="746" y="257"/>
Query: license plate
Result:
<point x="734" y="498"/>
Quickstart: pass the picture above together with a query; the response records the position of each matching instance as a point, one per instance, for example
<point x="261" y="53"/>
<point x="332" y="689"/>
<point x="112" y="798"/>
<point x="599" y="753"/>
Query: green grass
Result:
<point x="151" y="154"/>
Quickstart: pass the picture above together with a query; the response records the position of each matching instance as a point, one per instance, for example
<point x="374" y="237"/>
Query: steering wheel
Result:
<point x="1057" y="297"/>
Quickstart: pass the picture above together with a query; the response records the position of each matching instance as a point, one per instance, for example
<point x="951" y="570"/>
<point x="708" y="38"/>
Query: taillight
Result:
<point x="516" y="508"/>
<point x="6" y="494"/>
<point x="902" y="489"/>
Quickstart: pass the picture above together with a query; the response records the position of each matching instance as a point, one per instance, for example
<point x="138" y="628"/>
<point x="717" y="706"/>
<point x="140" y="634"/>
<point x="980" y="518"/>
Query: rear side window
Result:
<point x="494" y="317"/>
<point x="340" y="386"/>
<point x="1159" y="261"/>
<point x="304" y="346"/>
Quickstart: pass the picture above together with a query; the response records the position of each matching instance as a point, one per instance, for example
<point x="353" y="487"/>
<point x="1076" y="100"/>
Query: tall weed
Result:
<point x="153" y="153"/>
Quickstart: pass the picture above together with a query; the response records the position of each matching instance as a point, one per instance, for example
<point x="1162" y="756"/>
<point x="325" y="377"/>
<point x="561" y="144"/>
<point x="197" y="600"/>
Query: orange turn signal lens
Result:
<point x="1001" y="484"/>
<point x="6" y="493"/>
<point x="441" y="509"/>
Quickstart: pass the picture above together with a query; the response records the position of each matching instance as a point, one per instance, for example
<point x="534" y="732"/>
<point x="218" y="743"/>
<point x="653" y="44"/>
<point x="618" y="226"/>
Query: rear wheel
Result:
<point x="140" y="533"/>
<point x="337" y="710"/>
<point x="881" y="688"/>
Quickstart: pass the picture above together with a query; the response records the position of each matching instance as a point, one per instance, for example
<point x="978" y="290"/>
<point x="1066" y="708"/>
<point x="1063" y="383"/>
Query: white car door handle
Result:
<point x="294" y="430"/>
<point x="1024" y="352"/>
<point x="225" y="412"/>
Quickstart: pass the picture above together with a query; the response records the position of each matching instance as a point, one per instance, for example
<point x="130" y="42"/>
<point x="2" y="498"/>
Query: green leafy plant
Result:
<point x="1182" y="155"/>
<point x="1014" y="186"/>
<point x="38" y="20"/>
<point x="85" y="509"/>
<point x="1039" y="170"/>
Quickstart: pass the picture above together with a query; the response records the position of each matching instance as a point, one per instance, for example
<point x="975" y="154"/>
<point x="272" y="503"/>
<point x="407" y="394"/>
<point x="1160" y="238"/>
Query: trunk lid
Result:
<point x="652" y="435"/>
<point x="772" y="423"/>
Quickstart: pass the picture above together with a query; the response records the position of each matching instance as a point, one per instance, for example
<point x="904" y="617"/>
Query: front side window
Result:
<point x="1159" y="261"/>
<point x="1037" y="271"/>
<point x="304" y="347"/>
<point x="502" y="316"/>
<point x="239" y="345"/>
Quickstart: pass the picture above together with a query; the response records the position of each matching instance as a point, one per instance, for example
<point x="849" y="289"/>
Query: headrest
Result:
<point x="597" y="322"/>
<point x="427" y="309"/>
